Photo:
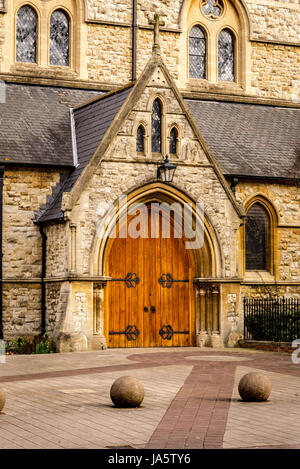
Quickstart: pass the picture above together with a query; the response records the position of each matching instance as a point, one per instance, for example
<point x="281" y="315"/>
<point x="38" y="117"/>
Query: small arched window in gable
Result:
<point x="59" y="38"/>
<point x="257" y="238"/>
<point x="173" y="141"/>
<point x="197" y="53"/>
<point x="26" y="34"/>
<point x="140" y="139"/>
<point x="156" y="126"/>
<point x="226" y="56"/>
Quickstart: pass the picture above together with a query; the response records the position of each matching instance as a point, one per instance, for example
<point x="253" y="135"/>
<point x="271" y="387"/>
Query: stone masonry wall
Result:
<point x="285" y="198"/>
<point x="274" y="22"/>
<point x="289" y="251"/>
<point x="109" y="10"/>
<point x="57" y="295"/>
<point x="170" y="50"/>
<point x="275" y="71"/>
<point x="21" y="309"/>
<point x="121" y="10"/>
<point x="286" y="201"/>
<point x="269" y="291"/>
<point x="24" y="191"/>
<point x="52" y="301"/>
<point x="122" y="170"/>
<point x="109" y="54"/>
<point x="2" y="36"/>
<point x="273" y="68"/>
<point x="270" y="20"/>
<point x="114" y="178"/>
<point x="57" y="259"/>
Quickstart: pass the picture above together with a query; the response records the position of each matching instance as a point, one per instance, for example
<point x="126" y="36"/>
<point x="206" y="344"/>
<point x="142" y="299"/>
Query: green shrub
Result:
<point x="25" y="346"/>
<point x="277" y="327"/>
<point x="42" y="347"/>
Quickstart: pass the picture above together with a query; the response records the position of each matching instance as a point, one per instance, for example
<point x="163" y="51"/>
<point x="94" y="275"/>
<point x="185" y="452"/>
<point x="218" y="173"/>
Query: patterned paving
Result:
<point x="272" y="423"/>
<point x="76" y="412"/>
<point x="197" y="416"/>
<point x="191" y="400"/>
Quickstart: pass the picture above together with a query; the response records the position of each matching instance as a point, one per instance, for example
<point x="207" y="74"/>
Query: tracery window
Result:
<point x="140" y="139"/>
<point x="257" y="238"/>
<point x="59" y="38"/>
<point x="197" y="53"/>
<point x="156" y="136"/>
<point x="226" y="55"/>
<point x="212" y="8"/>
<point x="173" y="141"/>
<point x="26" y="34"/>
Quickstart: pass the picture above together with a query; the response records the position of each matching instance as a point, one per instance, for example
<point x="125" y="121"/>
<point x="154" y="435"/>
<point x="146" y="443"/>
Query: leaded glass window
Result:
<point x="197" y="53"/>
<point x="212" y="8"/>
<point x="26" y="34"/>
<point x="226" y="56"/>
<point x="140" y="137"/>
<point x="173" y="141"/>
<point x="156" y="126"/>
<point x="257" y="233"/>
<point x="59" y="38"/>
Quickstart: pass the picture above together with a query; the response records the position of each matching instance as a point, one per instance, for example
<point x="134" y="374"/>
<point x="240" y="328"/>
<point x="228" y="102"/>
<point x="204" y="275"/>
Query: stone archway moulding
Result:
<point x="159" y="192"/>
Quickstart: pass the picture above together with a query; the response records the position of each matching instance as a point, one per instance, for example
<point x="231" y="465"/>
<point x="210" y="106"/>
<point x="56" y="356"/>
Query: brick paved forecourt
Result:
<point x="191" y="400"/>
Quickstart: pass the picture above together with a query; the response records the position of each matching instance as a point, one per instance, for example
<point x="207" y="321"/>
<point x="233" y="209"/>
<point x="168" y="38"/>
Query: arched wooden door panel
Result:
<point x="150" y="300"/>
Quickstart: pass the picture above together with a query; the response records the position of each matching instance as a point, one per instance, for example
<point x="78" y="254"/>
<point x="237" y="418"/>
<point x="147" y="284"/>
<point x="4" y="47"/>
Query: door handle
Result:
<point x="152" y="309"/>
<point x="146" y="309"/>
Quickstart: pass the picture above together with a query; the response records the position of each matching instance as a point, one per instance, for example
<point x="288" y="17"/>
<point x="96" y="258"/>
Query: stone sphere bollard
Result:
<point x="127" y="391"/>
<point x="254" y="387"/>
<point x="2" y="399"/>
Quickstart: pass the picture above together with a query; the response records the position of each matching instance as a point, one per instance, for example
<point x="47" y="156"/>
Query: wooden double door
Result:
<point x="150" y="298"/>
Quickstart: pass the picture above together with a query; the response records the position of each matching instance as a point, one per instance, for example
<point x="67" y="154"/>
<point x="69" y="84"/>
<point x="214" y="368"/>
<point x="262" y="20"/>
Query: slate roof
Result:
<point x="35" y="124"/>
<point x="91" y="124"/>
<point x="246" y="139"/>
<point x="250" y="139"/>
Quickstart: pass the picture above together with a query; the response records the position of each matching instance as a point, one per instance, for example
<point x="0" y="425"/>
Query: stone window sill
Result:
<point x="258" y="276"/>
<point x="47" y="72"/>
<point x="157" y="156"/>
<point x="3" y="6"/>
<point x="220" y="87"/>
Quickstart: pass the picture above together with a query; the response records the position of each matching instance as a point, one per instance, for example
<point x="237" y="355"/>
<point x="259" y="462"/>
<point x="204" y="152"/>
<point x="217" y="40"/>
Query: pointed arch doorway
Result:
<point x="150" y="301"/>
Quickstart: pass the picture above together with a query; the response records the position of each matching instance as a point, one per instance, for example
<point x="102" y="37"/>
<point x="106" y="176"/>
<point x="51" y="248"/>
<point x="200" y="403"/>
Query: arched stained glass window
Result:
<point x="173" y="141"/>
<point x="26" y="34"/>
<point x="197" y="53"/>
<point x="156" y="126"/>
<point x="140" y="139"/>
<point x="226" y="56"/>
<point x="257" y="238"/>
<point x="59" y="38"/>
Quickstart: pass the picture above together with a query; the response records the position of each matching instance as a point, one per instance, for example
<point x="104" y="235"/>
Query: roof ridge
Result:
<point x="244" y="100"/>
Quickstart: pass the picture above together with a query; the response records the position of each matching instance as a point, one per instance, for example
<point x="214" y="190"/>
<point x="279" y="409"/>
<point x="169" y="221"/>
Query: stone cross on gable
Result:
<point x="156" y="23"/>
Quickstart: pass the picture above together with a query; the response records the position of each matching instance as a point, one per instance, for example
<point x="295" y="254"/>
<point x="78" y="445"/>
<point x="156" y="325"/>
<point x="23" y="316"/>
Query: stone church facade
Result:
<point x="92" y="99"/>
